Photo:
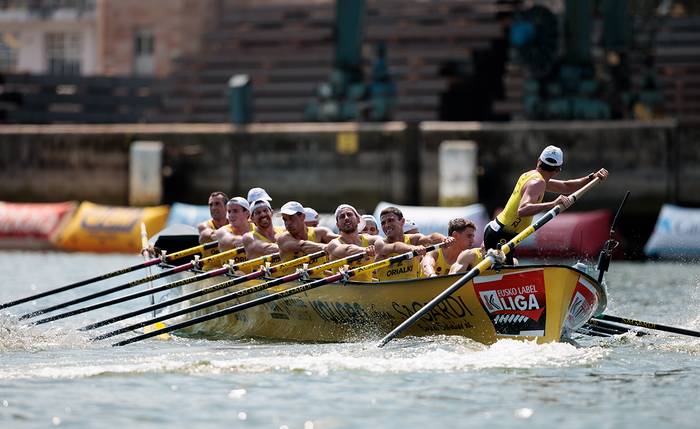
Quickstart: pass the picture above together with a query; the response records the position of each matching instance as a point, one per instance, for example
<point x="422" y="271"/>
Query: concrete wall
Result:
<point x="315" y="164"/>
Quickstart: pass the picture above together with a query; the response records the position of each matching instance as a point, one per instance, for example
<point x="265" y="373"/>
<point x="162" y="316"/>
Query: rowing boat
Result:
<point x="534" y="302"/>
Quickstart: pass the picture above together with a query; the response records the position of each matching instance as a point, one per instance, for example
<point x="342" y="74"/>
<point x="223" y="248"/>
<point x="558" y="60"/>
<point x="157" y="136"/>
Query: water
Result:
<point x="50" y="375"/>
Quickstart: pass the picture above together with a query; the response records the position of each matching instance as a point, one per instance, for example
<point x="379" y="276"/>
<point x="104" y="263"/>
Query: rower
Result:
<point x="255" y="194"/>
<point x="351" y="242"/>
<point x="410" y="227"/>
<point x="238" y="215"/>
<point x="310" y="217"/>
<point x="371" y="225"/>
<point x="526" y="198"/>
<point x="299" y="239"/>
<point x="217" y="210"/>
<point x="396" y="242"/>
<point x="438" y="262"/>
<point x="262" y="240"/>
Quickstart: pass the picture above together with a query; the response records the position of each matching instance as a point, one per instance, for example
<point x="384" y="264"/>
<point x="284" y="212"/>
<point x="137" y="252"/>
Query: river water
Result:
<point x="51" y="375"/>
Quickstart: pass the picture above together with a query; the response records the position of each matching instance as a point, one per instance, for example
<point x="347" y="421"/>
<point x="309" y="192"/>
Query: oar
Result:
<point x="175" y="270"/>
<point x="206" y="275"/>
<point x="154" y="261"/>
<point x="238" y="280"/>
<point x="610" y="327"/>
<point x="648" y="325"/>
<point x="485" y="264"/>
<point x="234" y="295"/>
<point x="279" y="295"/>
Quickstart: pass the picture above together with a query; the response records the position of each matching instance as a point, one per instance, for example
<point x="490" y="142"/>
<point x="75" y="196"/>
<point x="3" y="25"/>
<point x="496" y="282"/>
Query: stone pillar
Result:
<point x="458" y="171"/>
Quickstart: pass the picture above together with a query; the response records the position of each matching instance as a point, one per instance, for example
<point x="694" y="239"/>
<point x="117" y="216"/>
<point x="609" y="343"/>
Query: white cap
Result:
<point x="256" y="194"/>
<point x="260" y="203"/>
<point x="240" y="201"/>
<point x="310" y="214"/>
<point x="361" y="225"/>
<point x="291" y="208"/>
<point x="552" y="156"/>
<point x="409" y="225"/>
<point x="370" y="218"/>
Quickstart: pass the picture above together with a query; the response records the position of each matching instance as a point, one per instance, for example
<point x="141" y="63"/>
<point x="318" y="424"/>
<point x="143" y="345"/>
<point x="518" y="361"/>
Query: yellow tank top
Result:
<point x="479" y="256"/>
<point x="509" y="216"/>
<point x="441" y="266"/>
<point x="257" y="234"/>
<point x="362" y="277"/>
<point x="408" y="269"/>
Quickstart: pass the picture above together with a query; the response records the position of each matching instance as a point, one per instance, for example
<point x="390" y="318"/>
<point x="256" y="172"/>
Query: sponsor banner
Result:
<point x="31" y="225"/>
<point x="435" y="219"/>
<point x="515" y="302"/>
<point x="676" y="233"/>
<point x="577" y="234"/>
<point x="583" y="303"/>
<point x="97" y="228"/>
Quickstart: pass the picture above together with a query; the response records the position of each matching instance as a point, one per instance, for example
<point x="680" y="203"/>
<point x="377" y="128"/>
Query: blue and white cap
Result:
<point x="552" y="156"/>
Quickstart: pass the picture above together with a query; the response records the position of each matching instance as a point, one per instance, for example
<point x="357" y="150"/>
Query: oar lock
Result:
<point x="497" y="255"/>
<point x="197" y="263"/>
<point x="304" y="271"/>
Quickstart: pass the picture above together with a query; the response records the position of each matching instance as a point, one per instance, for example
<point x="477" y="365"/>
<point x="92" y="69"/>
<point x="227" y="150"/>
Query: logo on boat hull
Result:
<point x="514" y="302"/>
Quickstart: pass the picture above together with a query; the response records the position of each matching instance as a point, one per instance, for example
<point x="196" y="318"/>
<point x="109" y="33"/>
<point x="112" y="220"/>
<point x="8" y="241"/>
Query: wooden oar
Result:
<point x="151" y="262"/>
<point x="180" y="268"/>
<point x="206" y="275"/>
<point x="219" y="286"/>
<point x="279" y="295"/>
<point x="238" y="294"/>
<point x="485" y="264"/>
<point x="648" y="325"/>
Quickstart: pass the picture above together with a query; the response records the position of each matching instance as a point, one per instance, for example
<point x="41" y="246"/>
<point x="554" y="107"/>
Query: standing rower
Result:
<point x="217" y="210"/>
<point x="526" y="199"/>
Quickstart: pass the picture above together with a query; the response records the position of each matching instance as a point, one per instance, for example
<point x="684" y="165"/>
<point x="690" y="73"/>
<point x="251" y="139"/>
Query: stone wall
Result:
<point x="319" y="164"/>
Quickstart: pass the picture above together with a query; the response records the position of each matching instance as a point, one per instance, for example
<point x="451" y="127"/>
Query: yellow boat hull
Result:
<point x="537" y="302"/>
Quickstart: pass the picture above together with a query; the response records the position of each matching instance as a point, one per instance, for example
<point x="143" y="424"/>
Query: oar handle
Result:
<point x="254" y="263"/>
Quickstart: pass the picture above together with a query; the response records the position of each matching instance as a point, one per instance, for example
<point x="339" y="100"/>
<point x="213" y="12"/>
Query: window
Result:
<point x="9" y="46"/>
<point x="144" y="49"/>
<point x="63" y="53"/>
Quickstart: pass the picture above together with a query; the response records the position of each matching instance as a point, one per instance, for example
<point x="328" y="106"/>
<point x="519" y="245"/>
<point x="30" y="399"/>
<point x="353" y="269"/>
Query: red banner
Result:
<point x="32" y="220"/>
<point x="515" y="302"/>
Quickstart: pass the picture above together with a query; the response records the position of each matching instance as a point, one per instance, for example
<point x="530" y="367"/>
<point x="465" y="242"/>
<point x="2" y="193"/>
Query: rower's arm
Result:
<point x="570" y="186"/>
<point x="206" y="234"/>
<point x="531" y="194"/>
<point x="428" y="264"/>
<point x="288" y="244"/>
<point x="257" y="247"/>
<point x="427" y="240"/>
<point x="226" y="239"/>
<point x="464" y="262"/>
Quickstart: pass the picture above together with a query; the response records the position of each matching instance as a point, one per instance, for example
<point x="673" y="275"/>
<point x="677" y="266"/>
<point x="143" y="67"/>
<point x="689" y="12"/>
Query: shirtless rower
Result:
<point x="438" y="262"/>
<point x="351" y="242"/>
<point x="262" y="240"/>
<point x="396" y="242"/>
<point x="299" y="239"/>
<point x="238" y="215"/>
<point x="526" y="198"/>
<point x="217" y="209"/>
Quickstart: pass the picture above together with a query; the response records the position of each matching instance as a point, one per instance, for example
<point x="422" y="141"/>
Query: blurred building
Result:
<point x="100" y="37"/>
